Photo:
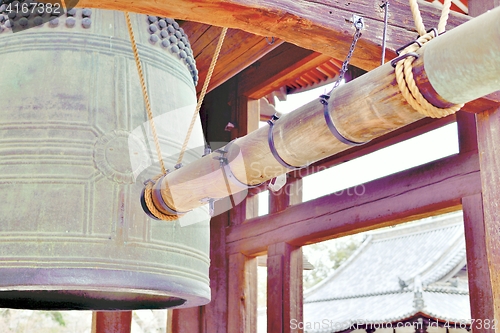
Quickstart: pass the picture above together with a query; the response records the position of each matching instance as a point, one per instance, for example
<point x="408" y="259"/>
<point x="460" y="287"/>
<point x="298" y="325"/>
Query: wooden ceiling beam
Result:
<point x="319" y="25"/>
<point x="278" y="68"/>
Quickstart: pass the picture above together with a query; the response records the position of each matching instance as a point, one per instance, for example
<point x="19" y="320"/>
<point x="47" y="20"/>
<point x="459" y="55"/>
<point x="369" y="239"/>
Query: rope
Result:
<point x="145" y="92"/>
<point x="148" y="198"/>
<point x="404" y="74"/>
<point x="148" y="191"/>
<point x="202" y="93"/>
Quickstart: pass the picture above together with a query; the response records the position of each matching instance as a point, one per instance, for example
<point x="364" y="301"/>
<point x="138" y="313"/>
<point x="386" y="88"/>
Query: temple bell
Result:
<point x="76" y="148"/>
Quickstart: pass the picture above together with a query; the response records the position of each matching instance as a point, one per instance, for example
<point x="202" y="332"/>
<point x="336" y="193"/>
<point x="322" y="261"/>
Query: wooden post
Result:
<point x="284" y="268"/>
<point x="481" y="212"/>
<point x="488" y="127"/>
<point x="482" y="304"/>
<point x="284" y="288"/>
<point x="279" y="200"/>
<point x="242" y="294"/>
<point x="467" y="133"/>
<point x="185" y="321"/>
<point x="111" y="321"/>
<point x="214" y="319"/>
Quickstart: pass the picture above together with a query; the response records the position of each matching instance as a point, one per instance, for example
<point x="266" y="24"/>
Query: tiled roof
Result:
<point x="395" y="274"/>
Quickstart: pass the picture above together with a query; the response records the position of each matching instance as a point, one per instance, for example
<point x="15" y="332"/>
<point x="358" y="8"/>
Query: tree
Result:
<point x="327" y="256"/>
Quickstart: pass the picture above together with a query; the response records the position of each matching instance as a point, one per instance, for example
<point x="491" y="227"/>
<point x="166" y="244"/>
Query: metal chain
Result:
<point x="358" y="24"/>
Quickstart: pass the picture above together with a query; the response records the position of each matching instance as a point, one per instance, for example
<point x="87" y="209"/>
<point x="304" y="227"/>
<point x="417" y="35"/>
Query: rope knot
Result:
<point x="404" y="69"/>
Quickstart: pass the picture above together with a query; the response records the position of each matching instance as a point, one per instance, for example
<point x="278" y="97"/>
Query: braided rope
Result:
<point x="203" y="93"/>
<point x="148" y="191"/>
<point x="144" y="91"/>
<point x="404" y="73"/>
<point x="148" y="198"/>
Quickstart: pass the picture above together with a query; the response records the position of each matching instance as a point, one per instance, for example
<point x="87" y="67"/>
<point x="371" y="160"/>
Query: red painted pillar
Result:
<point x="111" y="321"/>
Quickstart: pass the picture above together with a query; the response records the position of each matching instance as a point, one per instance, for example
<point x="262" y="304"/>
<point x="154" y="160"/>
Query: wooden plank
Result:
<point x="482" y="303"/>
<point x="240" y="49"/>
<point x="488" y="126"/>
<point x="419" y="192"/>
<point x="111" y="321"/>
<point x="242" y="294"/>
<point x="322" y="26"/>
<point x="284" y="287"/>
<point x="195" y="31"/>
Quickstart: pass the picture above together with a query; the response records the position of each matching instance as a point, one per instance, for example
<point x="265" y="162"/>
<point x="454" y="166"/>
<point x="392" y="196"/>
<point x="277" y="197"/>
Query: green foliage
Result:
<point x="57" y="317"/>
<point x="328" y="256"/>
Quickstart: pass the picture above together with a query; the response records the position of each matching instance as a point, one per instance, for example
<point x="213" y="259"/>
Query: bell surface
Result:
<point x="75" y="150"/>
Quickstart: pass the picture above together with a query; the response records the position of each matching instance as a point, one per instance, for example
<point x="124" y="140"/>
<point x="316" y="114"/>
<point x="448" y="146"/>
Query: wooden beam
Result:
<point x="476" y="8"/>
<point x="284" y="287"/>
<point x="419" y="192"/>
<point x="488" y="129"/>
<point x="357" y="112"/>
<point x="482" y="302"/>
<point x="322" y="26"/>
<point x="111" y="321"/>
<point x="242" y="294"/>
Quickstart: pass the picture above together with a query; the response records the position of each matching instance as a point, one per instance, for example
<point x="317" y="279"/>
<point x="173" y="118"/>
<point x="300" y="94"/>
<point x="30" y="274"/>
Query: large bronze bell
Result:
<point x="75" y="150"/>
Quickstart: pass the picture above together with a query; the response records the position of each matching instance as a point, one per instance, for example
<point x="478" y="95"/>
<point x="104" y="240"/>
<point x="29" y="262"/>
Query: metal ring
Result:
<point x="404" y="56"/>
<point x="332" y="128"/>
<point x="156" y="194"/>
<point x="272" y="147"/>
<point x="227" y="168"/>
<point x="398" y="51"/>
<point x="435" y="31"/>
<point x="145" y="206"/>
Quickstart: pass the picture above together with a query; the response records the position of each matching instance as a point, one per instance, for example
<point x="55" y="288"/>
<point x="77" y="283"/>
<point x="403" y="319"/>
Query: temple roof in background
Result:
<point x="396" y="274"/>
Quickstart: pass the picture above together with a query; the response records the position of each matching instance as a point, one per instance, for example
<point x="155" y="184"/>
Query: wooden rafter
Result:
<point x="322" y="25"/>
